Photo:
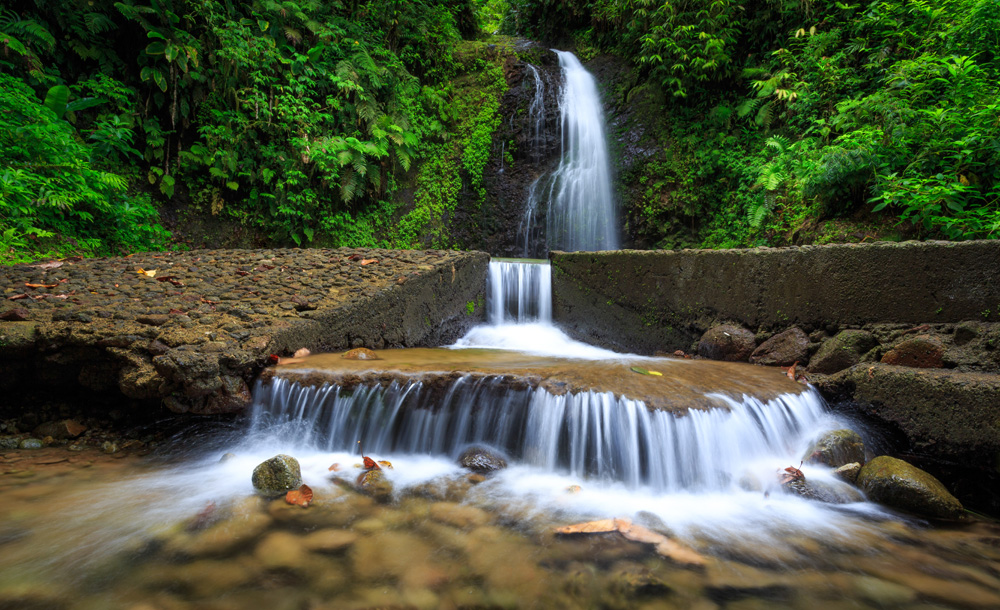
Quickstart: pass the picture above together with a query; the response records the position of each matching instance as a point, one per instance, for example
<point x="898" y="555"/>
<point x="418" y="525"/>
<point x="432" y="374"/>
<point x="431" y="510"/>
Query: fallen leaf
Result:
<point x="790" y="371"/>
<point x="792" y="474"/>
<point x="150" y="273"/>
<point x="573" y="489"/>
<point x="656" y="373"/>
<point x="17" y="297"/>
<point x="302" y="496"/>
<point x="637" y="533"/>
<point x="368" y="261"/>
<point x="641" y="371"/>
<point x="203" y="519"/>
<point x="335" y="467"/>
<point x="589" y="527"/>
<point x="48" y="265"/>
<point x="385" y="464"/>
<point x="370" y="464"/>
<point x="242" y="273"/>
<point x="169" y="278"/>
<point x="41" y="285"/>
<point x="290" y="360"/>
<point x="302" y="352"/>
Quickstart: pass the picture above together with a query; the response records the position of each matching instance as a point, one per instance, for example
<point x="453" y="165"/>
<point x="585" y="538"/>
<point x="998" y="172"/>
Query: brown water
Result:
<point x="82" y="530"/>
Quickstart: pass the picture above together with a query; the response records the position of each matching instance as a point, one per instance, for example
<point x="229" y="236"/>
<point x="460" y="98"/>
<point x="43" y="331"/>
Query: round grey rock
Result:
<point x="277" y="476"/>
<point x="481" y="460"/>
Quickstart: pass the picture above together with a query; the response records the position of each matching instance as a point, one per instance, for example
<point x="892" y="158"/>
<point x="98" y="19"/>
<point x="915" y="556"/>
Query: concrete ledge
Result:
<point x="194" y="334"/>
<point x="659" y="300"/>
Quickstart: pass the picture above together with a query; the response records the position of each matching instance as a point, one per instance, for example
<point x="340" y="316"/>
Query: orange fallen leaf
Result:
<point x="368" y="261"/>
<point x="590" y="527"/>
<point x="792" y="474"/>
<point x="637" y="533"/>
<point x="150" y="273"/>
<point x="385" y="464"/>
<point x="335" y="467"/>
<point x="573" y="489"/>
<point x="371" y="464"/>
<point x="790" y="371"/>
<point x="40" y="285"/>
<point x="302" y="496"/>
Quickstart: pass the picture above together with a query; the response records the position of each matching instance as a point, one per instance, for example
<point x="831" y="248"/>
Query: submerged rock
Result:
<point x="31" y="443"/>
<point x="376" y="485"/>
<point x="360" y="353"/>
<point x="901" y="485"/>
<point x="63" y="429"/>
<point x="783" y="349"/>
<point x="727" y="342"/>
<point x="482" y="460"/>
<point x="836" y="448"/>
<point x="842" y="351"/>
<point x="823" y="491"/>
<point x="922" y="352"/>
<point x="277" y="475"/>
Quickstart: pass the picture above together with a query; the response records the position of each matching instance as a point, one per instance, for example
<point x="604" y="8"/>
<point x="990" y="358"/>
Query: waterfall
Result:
<point x="581" y="213"/>
<point x="536" y="115"/>
<point x="519" y="292"/>
<point x="587" y="434"/>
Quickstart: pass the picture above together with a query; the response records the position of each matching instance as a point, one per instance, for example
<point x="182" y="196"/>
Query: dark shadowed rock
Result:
<point x="482" y="460"/>
<point x="783" y="349"/>
<point x="842" y="351"/>
<point x="63" y="429"/>
<point x="726" y="342"/>
<point x="900" y="485"/>
<point x="277" y="476"/>
<point x="922" y="352"/>
<point x="836" y="448"/>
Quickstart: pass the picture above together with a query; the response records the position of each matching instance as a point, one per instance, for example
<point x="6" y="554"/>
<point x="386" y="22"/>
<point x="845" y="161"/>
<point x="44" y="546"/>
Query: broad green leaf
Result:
<point x="56" y="99"/>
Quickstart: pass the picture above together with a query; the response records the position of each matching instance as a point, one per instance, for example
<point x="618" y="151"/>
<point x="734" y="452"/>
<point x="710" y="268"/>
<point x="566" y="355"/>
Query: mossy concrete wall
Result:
<point x="644" y="301"/>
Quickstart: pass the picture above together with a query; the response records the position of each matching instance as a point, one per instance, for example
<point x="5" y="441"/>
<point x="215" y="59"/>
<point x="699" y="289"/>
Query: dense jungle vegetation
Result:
<point x="365" y="123"/>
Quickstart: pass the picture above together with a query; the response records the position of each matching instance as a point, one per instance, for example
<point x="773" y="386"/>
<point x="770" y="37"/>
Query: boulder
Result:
<point x="481" y="460"/>
<point x="726" y="342"/>
<point x="783" y="349"/>
<point x="822" y="491"/>
<point x="63" y="429"/>
<point x="842" y="351"/>
<point x="836" y="448"/>
<point x="900" y="485"/>
<point x="277" y="476"/>
<point x="922" y="352"/>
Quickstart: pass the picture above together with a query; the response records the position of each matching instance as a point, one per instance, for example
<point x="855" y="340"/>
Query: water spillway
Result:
<point x="519" y="292"/>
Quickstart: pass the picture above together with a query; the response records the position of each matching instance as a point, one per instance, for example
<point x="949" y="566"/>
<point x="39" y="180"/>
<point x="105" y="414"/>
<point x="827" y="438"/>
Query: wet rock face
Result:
<point x="837" y="448"/>
<point x="843" y="351"/>
<point x="276" y="476"/>
<point x="924" y="352"/>
<point x="727" y="342"/>
<point x="783" y="349"/>
<point x="900" y="485"/>
<point x="481" y="460"/>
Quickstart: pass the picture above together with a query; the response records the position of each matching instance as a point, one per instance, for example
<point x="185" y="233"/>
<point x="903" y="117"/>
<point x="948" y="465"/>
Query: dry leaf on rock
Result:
<point x="385" y="464"/>
<point x="49" y="265"/>
<point x="302" y="352"/>
<point x="302" y="496"/>
<point x="40" y="285"/>
<point x="637" y="533"/>
<point x="368" y="261"/>
<point x="150" y="273"/>
<point x="335" y="467"/>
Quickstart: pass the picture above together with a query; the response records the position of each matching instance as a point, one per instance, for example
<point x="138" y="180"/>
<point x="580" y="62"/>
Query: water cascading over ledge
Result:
<point x="593" y="434"/>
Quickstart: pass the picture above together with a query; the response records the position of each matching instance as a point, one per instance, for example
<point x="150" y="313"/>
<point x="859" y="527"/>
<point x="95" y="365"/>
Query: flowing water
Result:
<point x="692" y="450"/>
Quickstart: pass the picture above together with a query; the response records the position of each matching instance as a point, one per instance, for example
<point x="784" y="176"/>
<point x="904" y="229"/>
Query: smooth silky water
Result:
<point x="694" y="453"/>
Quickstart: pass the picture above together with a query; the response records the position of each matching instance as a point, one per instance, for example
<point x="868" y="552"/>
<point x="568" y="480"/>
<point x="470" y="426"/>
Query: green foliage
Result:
<point x="52" y="194"/>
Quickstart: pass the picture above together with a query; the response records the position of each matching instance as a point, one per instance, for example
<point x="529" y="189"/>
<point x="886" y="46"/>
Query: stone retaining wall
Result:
<point x="192" y="330"/>
<point x="656" y="300"/>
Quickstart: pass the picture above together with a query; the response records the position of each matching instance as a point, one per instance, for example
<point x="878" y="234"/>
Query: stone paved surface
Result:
<point x="195" y="333"/>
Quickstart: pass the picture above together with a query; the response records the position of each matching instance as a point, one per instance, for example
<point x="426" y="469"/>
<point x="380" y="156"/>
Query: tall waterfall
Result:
<point x="581" y="213"/>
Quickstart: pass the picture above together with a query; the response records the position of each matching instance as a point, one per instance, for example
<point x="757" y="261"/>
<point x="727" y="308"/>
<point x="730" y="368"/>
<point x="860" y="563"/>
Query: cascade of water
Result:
<point x="586" y="434"/>
<point x="519" y="292"/>
<point x="581" y="213"/>
<point x="536" y="114"/>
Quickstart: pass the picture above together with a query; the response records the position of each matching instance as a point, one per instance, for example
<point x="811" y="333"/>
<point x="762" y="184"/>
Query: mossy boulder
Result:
<point x="375" y="484"/>
<point x="922" y="352"/>
<point x="277" y="476"/>
<point x="836" y="448"/>
<point x="901" y="485"/>
<point x="842" y="351"/>
<point x="727" y="342"/>
<point x="783" y="349"/>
